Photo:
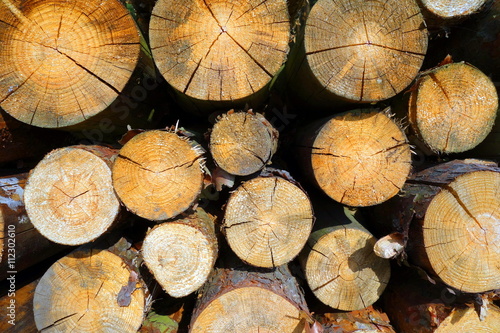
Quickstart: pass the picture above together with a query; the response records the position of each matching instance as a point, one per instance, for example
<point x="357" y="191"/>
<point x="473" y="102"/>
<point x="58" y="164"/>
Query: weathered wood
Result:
<point x="243" y="143"/>
<point x="158" y="174"/>
<point x="69" y="195"/>
<point x="267" y="221"/>
<point x="244" y="300"/>
<point x="367" y="320"/>
<point x="21" y="245"/>
<point x="62" y="63"/>
<point x="452" y="108"/>
<point x="181" y="253"/>
<point x="21" y="319"/>
<point x="358" y="51"/>
<point x="358" y="158"/>
<point x="219" y="51"/>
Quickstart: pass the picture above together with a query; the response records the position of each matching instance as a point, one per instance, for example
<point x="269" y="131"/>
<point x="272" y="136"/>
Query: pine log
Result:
<point x="243" y="143"/>
<point x="91" y="290"/>
<point x="21" y="319"/>
<point x="181" y="253"/>
<point x="358" y="158"/>
<point x="267" y="221"/>
<point x="450" y="215"/>
<point x="358" y="51"/>
<point x="238" y="300"/>
<point x="452" y="108"/>
<point x="21" y="245"/>
<point x="446" y="9"/>
<point x="63" y="63"/>
<point x="219" y="51"/>
<point x="158" y="174"/>
<point x="69" y="195"/>
<point x="339" y="263"/>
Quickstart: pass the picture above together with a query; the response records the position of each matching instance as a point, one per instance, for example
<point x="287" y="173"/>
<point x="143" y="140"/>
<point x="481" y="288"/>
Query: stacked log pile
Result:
<point x="247" y="166"/>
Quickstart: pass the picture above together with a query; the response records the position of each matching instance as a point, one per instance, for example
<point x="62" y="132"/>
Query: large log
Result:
<point x="239" y="300"/>
<point x="158" y="174"/>
<point x="21" y="245"/>
<point x="69" y="195"/>
<point x="452" y="108"/>
<point x="219" y="51"/>
<point x="181" y="253"/>
<point x="267" y="221"/>
<point x="358" y="158"/>
<point x="358" y="51"/>
<point x="63" y="63"/>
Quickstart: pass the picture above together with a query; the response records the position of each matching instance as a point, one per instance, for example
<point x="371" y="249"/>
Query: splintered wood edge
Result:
<point x="249" y="309"/>
<point x="69" y="196"/>
<point x="79" y="291"/>
<point x="64" y="63"/>
<point x="361" y="158"/>
<point x="242" y="143"/>
<point x="342" y="269"/>
<point x="461" y="232"/>
<point x="267" y="221"/>
<point x="219" y="51"/>
<point x="180" y="256"/>
<point x="158" y="174"/>
<point x="365" y="51"/>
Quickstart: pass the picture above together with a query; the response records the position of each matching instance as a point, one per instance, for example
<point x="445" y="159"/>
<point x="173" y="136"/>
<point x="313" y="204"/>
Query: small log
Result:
<point x="339" y="262"/>
<point x="91" y="290"/>
<point x="63" y="63"/>
<point x="243" y="143"/>
<point x="181" y="253"/>
<point x="452" y="108"/>
<point x="267" y="221"/>
<point x="358" y="51"/>
<point x="21" y="245"/>
<point x="447" y="10"/>
<point x="358" y="158"/>
<point x="450" y="214"/>
<point x="69" y="195"/>
<point x="158" y="174"/>
<point x="239" y="300"/>
<point x="219" y="51"/>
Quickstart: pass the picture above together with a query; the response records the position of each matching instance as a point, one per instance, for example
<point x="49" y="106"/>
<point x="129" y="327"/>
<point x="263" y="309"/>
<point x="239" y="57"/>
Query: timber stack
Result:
<point x="247" y="166"/>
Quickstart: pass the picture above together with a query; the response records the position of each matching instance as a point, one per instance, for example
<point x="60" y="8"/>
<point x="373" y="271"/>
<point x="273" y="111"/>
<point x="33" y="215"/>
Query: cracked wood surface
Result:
<point x="64" y="63"/>
<point x="219" y="50"/>
<point x="158" y="174"/>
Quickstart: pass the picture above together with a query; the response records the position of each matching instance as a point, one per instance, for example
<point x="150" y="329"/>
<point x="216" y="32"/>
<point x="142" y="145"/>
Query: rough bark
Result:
<point x="69" y="195"/>
<point x="181" y="253"/>
<point x="358" y="158"/>
<point x="158" y="174"/>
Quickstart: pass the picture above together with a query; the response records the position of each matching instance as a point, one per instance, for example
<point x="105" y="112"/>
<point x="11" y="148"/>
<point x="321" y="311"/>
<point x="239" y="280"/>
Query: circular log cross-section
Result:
<point x="467" y="320"/>
<point x="453" y="107"/>
<point x="242" y="143"/>
<point x="358" y="158"/>
<point x="219" y="50"/>
<point x="79" y="293"/>
<point x="69" y="195"/>
<point x="267" y="221"/>
<point x="158" y="174"/>
<point x="453" y="8"/>
<point x="364" y="51"/>
<point x="62" y="62"/>
<point x="461" y="230"/>
<point x="342" y="269"/>
<point x="181" y="253"/>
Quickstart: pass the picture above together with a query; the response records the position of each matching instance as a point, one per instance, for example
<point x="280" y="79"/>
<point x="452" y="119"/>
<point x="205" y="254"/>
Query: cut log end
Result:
<point x="158" y="175"/>
<point x="461" y="232"/>
<point x="467" y="320"/>
<point x="56" y="59"/>
<point x="365" y="51"/>
<point x="360" y="158"/>
<point x="242" y="143"/>
<point x="268" y="221"/>
<point x="181" y="253"/>
<point x="219" y="51"/>
<point x="69" y="196"/>
<point x="453" y="108"/>
<point x="79" y="292"/>
<point x="447" y="9"/>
